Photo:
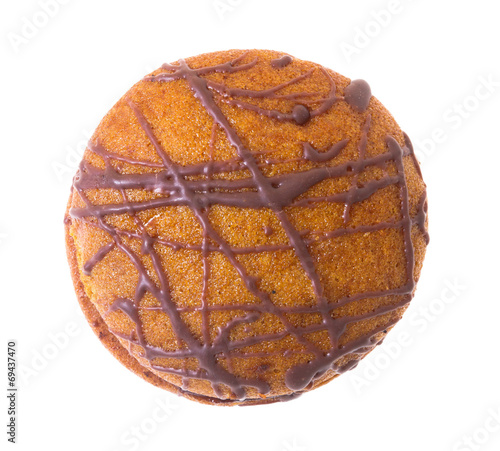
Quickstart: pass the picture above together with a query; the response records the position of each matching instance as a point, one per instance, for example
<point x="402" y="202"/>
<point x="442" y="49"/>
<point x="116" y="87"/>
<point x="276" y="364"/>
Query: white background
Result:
<point x="433" y="385"/>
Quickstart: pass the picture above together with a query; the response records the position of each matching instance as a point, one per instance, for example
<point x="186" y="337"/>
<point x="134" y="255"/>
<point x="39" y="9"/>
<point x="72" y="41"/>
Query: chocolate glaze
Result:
<point x="421" y="217"/>
<point x="268" y="231"/>
<point x="301" y="114"/>
<point x="259" y="191"/>
<point x="311" y="154"/>
<point x="358" y="95"/>
<point x="98" y="256"/>
<point x="354" y="191"/>
<point x="284" y="61"/>
<point x="411" y="152"/>
<point x="422" y="207"/>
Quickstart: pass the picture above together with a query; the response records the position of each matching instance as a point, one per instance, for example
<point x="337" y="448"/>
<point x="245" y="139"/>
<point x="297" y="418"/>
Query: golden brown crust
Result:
<point x="380" y="267"/>
<point x="113" y="345"/>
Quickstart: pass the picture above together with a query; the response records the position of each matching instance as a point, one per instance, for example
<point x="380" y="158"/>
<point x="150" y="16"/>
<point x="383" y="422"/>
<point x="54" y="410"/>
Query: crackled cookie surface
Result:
<point x="245" y="226"/>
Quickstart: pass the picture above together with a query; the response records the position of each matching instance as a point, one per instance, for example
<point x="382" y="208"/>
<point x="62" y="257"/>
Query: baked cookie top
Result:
<point x="248" y="225"/>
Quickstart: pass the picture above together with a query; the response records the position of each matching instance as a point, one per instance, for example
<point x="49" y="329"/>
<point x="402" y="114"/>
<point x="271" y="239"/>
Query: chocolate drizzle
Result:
<point x="284" y="61"/>
<point x="311" y="154"/>
<point x="100" y="254"/>
<point x="257" y="191"/>
<point x="358" y="95"/>
<point x="268" y="231"/>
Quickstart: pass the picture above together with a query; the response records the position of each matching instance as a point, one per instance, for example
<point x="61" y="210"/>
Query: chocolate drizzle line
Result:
<point x="100" y="254"/>
<point x="260" y="191"/>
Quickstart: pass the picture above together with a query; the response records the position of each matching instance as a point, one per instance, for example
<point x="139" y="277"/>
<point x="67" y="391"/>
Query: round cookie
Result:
<point x="245" y="226"/>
